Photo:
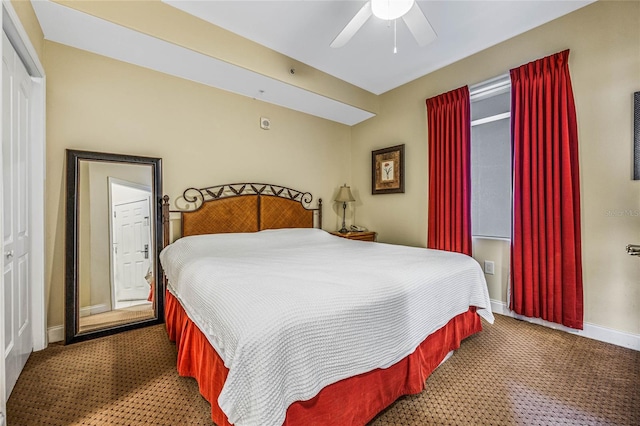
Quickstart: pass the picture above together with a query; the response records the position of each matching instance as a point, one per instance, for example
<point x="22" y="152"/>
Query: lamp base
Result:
<point x="343" y="230"/>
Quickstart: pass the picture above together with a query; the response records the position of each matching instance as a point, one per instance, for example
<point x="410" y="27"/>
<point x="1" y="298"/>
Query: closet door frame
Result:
<point x="16" y="33"/>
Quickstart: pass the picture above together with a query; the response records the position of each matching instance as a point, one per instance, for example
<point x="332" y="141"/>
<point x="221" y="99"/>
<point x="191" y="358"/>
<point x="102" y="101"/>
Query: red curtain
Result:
<point x="546" y="264"/>
<point x="449" y="122"/>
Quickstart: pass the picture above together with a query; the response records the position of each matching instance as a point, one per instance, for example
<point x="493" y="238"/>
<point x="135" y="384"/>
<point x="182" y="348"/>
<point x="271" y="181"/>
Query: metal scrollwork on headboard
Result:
<point x="198" y="196"/>
<point x="241" y="209"/>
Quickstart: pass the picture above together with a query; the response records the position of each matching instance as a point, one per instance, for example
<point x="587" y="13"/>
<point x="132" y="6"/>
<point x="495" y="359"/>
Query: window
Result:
<point x="491" y="158"/>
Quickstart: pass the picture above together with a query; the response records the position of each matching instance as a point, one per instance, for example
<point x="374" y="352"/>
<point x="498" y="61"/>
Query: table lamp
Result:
<point x="344" y="196"/>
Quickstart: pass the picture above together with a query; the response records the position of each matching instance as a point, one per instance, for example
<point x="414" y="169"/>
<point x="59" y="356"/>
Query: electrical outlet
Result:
<point x="489" y="267"/>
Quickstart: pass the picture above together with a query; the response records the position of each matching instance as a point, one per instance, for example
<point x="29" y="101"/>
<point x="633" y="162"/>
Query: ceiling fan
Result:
<point x="389" y="10"/>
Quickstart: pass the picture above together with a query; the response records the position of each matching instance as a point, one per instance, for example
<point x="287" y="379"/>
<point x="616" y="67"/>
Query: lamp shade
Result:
<point x="345" y="196"/>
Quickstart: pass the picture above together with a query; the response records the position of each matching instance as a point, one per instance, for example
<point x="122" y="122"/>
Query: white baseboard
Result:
<point x="94" y="309"/>
<point x="591" y="331"/>
<point x="55" y="334"/>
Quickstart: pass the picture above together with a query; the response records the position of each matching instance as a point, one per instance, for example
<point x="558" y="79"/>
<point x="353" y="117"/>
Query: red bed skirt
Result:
<point x="352" y="401"/>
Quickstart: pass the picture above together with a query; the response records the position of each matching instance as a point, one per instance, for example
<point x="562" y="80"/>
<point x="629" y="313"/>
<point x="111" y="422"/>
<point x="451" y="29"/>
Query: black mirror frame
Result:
<point x="71" y="298"/>
<point x="636" y="136"/>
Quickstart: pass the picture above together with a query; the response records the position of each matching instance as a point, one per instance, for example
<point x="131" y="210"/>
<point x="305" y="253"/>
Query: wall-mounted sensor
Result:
<point x="265" y="123"/>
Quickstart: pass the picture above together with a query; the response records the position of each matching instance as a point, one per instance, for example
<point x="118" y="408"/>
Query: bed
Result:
<point x="282" y="323"/>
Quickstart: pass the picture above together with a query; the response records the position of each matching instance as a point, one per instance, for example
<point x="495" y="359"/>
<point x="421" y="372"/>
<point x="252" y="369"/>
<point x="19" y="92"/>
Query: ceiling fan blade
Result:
<point x="353" y="26"/>
<point x="419" y="26"/>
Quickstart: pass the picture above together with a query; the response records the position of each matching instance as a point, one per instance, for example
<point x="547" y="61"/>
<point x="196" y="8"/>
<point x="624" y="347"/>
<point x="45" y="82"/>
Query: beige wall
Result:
<point x="604" y="39"/>
<point x="208" y="136"/>
<point x="204" y="136"/>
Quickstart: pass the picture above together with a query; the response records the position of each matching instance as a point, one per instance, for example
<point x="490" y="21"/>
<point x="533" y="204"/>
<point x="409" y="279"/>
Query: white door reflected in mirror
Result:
<point x="130" y="205"/>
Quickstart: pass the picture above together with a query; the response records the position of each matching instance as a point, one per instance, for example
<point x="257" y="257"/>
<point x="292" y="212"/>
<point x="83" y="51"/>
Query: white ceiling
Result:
<point x="303" y="30"/>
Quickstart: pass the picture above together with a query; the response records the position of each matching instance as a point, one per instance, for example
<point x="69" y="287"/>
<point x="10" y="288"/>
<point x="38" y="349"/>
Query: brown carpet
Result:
<point x="512" y="373"/>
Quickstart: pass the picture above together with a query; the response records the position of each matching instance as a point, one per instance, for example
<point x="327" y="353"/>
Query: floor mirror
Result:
<point x="113" y="239"/>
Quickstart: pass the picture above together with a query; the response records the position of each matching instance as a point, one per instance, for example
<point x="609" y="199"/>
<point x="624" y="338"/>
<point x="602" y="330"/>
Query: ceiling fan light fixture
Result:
<point x="390" y="9"/>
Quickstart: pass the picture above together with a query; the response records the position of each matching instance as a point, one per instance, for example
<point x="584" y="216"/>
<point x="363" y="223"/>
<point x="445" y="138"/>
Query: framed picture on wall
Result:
<point x="387" y="170"/>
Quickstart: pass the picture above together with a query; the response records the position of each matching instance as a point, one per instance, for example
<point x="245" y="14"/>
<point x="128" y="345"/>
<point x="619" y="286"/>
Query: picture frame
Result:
<point x="387" y="170"/>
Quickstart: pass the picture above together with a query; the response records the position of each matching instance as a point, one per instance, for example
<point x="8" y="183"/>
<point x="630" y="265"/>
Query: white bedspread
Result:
<point x="292" y="311"/>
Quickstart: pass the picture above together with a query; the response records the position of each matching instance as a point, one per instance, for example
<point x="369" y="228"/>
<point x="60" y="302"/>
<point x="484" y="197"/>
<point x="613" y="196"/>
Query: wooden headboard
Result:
<point x="242" y="207"/>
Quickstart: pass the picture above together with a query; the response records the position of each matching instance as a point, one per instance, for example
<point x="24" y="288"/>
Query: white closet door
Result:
<point x="18" y="341"/>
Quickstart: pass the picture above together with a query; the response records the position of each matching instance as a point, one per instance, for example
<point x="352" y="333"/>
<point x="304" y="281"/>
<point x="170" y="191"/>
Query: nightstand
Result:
<point x="362" y="236"/>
